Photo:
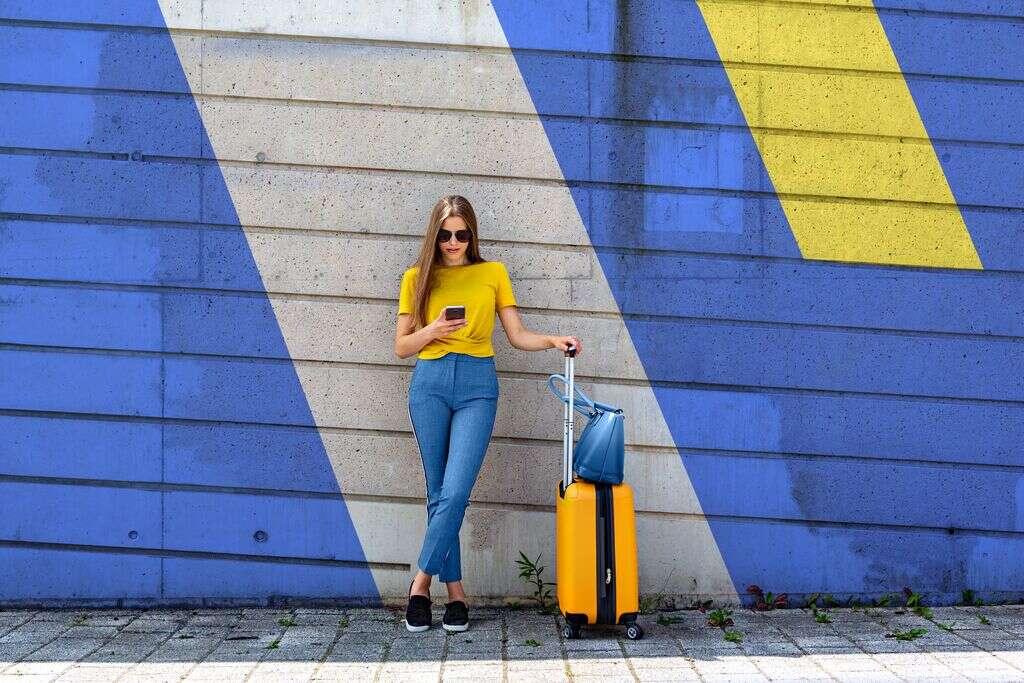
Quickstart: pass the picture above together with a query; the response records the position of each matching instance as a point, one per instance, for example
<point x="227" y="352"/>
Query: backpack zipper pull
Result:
<point x="608" y="577"/>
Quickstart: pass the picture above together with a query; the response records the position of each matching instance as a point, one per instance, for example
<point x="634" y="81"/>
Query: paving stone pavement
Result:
<point x="361" y="644"/>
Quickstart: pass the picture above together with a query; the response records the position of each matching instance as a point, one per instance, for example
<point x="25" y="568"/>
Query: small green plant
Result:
<point x="913" y="599"/>
<point x="733" y="636"/>
<point x="812" y="600"/>
<point x="767" y="601"/>
<point x="272" y="645"/>
<point x="967" y="597"/>
<point x="649" y="602"/>
<point x="910" y="634"/>
<point x="983" y="619"/>
<point x="665" y="620"/>
<point x="287" y="621"/>
<point x="530" y="571"/>
<point x="343" y="622"/>
<point x="821" y="616"/>
<point x="80" y="620"/>
<point x="532" y="643"/>
<point x="913" y="602"/>
<point x="720" y="618"/>
<point x="882" y="601"/>
<point x="946" y="627"/>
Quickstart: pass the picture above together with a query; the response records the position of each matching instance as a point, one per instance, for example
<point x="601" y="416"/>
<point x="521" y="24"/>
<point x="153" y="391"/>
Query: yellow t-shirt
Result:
<point x="481" y="287"/>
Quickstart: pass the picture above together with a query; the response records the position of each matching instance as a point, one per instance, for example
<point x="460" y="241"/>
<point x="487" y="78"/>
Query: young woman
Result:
<point x="453" y="394"/>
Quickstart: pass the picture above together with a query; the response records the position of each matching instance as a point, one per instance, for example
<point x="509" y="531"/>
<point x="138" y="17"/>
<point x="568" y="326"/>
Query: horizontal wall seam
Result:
<point x="540" y="52"/>
<point x="507" y="506"/>
<point x="579" y="249"/>
<point x="632" y="448"/>
<point x="617" y="381"/>
<point x="201" y="554"/>
<point x="300" y="103"/>
<point x="391" y="303"/>
<point x="540" y="182"/>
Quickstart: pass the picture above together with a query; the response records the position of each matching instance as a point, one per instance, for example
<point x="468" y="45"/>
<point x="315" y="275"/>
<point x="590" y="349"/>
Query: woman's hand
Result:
<point x="442" y="327"/>
<point x="562" y="343"/>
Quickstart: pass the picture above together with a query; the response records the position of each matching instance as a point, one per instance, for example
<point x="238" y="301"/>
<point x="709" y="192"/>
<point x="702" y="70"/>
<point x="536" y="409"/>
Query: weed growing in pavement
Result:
<point x="882" y="601"/>
<point x="650" y="601"/>
<point x="665" y="620"/>
<point x="910" y="634"/>
<point x="983" y="619"/>
<point x="287" y="621"/>
<point x="272" y="645"/>
<point x="531" y="642"/>
<point x="946" y="627"/>
<point x="821" y="616"/>
<point x="530" y="571"/>
<point x="733" y="636"/>
<point x="720" y="618"/>
<point x="766" y="601"/>
<point x="967" y="597"/>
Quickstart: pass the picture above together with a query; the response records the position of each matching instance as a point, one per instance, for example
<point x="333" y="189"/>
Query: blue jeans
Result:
<point x="452" y="402"/>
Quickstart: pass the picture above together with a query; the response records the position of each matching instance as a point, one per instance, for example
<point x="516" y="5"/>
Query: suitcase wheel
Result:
<point x="571" y="631"/>
<point x="634" y="631"/>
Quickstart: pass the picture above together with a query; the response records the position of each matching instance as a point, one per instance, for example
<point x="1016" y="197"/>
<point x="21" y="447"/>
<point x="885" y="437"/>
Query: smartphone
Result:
<point x="454" y="312"/>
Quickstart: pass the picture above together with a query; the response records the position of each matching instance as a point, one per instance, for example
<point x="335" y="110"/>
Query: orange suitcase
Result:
<point x="595" y="543"/>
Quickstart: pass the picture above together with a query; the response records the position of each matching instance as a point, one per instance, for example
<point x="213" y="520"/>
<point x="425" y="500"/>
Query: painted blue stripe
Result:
<point x="189" y="578"/>
<point x="294" y="526"/>
<point x="246" y="456"/>
<point x="799" y="420"/>
<point x="84" y="515"/>
<point x="51" y="574"/>
<point x="88" y="59"/>
<point x="135" y="385"/>
<point x="88" y="449"/>
<point x="851" y="562"/>
<point x="120" y="124"/>
<point x="824" y="493"/>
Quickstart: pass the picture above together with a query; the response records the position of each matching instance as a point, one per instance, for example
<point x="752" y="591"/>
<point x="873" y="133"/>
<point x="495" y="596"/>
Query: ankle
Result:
<point x="419" y="588"/>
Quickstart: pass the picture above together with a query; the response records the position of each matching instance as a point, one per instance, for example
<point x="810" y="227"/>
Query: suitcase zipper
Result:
<point x="605" y="555"/>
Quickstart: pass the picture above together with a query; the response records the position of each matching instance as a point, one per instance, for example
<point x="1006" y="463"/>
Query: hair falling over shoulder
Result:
<point x="430" y="253"/>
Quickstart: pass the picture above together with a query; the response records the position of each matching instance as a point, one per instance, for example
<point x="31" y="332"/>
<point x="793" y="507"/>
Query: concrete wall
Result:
<point x="794" y="264"/>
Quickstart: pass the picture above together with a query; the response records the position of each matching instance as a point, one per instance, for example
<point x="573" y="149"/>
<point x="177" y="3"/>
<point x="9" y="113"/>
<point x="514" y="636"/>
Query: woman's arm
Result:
<point x="409" y="342"/>
<point x="527" y="340"/>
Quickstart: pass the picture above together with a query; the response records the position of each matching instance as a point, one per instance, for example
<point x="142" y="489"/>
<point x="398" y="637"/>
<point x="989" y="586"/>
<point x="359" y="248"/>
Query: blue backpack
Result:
<point x="600" y="451"/>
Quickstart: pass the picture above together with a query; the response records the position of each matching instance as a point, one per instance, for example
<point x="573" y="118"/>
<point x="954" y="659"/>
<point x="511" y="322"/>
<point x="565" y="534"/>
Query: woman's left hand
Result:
<point x="562" y="343"/>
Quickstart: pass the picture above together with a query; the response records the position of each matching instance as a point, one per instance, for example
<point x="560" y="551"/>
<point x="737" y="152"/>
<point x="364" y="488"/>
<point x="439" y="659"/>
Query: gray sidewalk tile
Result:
<point x="357" y="644"/>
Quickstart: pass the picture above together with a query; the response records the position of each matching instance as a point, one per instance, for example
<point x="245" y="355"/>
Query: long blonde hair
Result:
<point x="430" y="252"/>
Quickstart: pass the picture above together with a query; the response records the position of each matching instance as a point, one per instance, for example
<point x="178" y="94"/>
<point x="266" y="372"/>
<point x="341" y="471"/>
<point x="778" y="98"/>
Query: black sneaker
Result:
<point x="417" y="613"/>
<point x="456" y="616"/>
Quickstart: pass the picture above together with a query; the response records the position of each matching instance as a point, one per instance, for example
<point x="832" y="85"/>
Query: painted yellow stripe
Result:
<point x="884" y="173"/>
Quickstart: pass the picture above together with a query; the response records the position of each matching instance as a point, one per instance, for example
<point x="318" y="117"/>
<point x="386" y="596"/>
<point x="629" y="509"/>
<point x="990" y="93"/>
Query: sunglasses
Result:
<point x="461" y="235"/>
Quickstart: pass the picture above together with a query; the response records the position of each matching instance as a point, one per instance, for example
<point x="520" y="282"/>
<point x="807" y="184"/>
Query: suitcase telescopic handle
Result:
<point x="568" y="420"/>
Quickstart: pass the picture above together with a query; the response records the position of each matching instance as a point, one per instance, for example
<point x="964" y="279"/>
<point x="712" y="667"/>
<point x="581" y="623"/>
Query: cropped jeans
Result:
<point x="452" y="403"/>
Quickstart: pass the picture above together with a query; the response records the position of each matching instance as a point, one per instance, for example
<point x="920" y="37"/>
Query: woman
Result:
<point x="453" y="394"/>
